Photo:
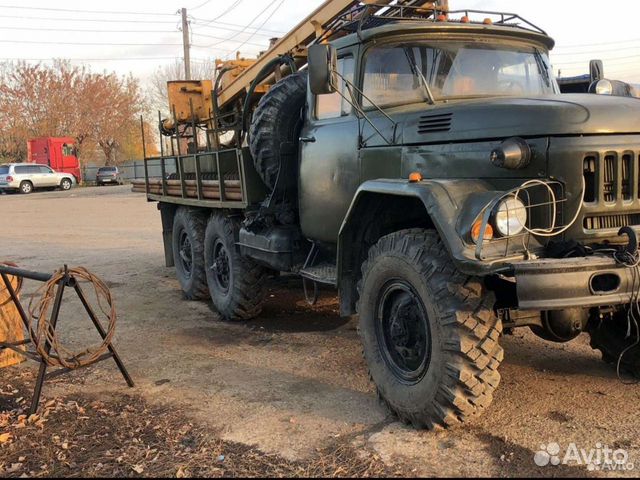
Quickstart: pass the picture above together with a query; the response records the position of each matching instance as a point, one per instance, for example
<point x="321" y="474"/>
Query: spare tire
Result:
<point x="275" y="128"/>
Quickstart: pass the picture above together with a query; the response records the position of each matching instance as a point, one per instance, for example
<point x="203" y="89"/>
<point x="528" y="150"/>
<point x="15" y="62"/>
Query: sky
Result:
<point x="138" y="37"/>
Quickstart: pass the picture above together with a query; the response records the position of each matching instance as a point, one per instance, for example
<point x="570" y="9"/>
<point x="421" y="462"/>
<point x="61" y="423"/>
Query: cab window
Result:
<point x="389" y="78"/>
<point x="68" y="150"/>
<point x="397" y="75"/>
<point x="334" y="105"/>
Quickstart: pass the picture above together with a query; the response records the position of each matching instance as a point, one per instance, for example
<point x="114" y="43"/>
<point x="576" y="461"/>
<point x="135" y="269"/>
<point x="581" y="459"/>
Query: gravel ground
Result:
<point x="291" y="385"/>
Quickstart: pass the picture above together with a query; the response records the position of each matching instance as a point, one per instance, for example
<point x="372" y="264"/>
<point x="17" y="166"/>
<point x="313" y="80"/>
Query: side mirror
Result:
<point x="323" y="61"/>
<point x="596" y="70"/>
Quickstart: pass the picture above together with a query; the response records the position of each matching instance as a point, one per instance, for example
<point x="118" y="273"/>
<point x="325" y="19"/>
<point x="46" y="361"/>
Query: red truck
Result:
<point x="58" y="152"/>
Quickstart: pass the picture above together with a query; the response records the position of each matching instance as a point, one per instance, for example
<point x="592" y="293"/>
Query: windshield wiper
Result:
<point x="542" y="67"/>
<point x="418" y="73"/>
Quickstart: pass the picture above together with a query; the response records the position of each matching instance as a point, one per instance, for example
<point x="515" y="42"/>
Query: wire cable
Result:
<point x="246" y="27"/>
<point x="96" y="20"/>
<point x="43" y="334"/>
<point x="76" y="10"/>
<point x="225" y="12"/>
<point x="261" y="25"/>
<point x="43" y="42"/>
<point x="200" y="5"/>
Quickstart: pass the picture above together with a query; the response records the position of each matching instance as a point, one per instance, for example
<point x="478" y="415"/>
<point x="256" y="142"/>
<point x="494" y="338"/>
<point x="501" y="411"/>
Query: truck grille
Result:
<point x="612" y="182"/>
<point x="611" y="221"/>
<point x="611" y="177"/>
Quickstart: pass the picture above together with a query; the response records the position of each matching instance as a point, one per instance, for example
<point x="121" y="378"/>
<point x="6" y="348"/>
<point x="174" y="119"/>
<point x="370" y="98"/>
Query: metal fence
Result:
<point x="130" y="170"/>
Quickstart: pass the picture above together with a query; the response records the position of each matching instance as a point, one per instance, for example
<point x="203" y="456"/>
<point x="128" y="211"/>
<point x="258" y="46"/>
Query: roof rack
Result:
<point x="373" y="15"/>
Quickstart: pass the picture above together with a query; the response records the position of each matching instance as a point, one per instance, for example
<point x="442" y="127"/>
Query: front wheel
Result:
<point x="237" y="284"/>
<point x="65" y="184"/>
<point x="619" y="341"/>
<point x="429" y="336"/>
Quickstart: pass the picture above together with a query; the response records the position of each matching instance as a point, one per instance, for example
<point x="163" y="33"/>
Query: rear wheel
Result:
<point x="65" y="184"/>
<point x="26" y="187"/>
<point x="237" y="284"/>
<point x="429" y="336"/>
<point x="188" y="252"/>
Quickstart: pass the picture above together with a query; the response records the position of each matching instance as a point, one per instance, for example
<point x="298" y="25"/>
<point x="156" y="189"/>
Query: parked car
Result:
<point x="27" y="177"/>
<point x="109" y="175"/>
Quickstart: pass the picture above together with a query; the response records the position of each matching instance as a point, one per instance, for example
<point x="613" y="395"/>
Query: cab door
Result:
<point x="329" y="169"/>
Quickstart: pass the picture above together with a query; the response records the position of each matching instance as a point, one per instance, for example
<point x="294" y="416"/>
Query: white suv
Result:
<point x="25" y="177"/>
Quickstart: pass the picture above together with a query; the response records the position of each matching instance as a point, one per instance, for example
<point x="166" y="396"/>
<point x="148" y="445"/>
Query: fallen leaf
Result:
<point x="13" y="468"/>
<point x="5" y="437"/>
<point x="138" y="469"/>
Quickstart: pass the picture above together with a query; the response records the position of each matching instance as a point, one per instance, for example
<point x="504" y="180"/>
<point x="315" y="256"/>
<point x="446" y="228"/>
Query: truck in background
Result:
<point x="596" y="82"/>
<point x="59" y="153"/>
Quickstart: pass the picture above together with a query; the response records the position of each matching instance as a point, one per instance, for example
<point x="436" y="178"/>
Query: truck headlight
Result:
<point x="604" y="87"/>
<point x="510" y="217"/>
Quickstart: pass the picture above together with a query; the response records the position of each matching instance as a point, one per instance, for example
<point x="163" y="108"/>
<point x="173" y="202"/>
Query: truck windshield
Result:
<point x="399" y="74"/>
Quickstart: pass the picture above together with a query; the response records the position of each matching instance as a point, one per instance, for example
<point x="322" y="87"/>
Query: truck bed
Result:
<point x="194" y="180"/>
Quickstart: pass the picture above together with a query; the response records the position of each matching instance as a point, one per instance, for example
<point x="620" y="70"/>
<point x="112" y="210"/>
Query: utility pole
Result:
<point x="186" y="44"/>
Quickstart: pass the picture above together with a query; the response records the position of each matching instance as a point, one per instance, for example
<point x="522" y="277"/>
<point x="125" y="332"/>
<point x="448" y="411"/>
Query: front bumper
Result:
<point x="555" y="284"/>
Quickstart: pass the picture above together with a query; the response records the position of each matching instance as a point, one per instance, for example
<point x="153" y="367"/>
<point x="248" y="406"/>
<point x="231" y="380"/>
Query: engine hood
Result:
<point x="579" y="114"/>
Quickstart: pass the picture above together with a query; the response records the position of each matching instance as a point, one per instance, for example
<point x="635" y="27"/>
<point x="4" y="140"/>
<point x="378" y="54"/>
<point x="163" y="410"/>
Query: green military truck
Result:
<point x="427" y="167"/>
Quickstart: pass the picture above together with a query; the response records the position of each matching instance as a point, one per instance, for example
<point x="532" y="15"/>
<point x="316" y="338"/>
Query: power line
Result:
<point x="262" y="24"/>
<point x="586" y="45"/>
<point x="40" y="42"/>
<point x="221" y="25"/>
<point x="40" y="29"/>
<point x="200" y="5"/>
<point x="269" y="5"/>
<point x="75" y="10"/>
<point x="226" y="11"/>
<point x="110" y="59"/>
<point x="257" y="34"/>
<point x="260" y="45"/>
<point x="608" y="60"/>
<point x="105" y="20"/>
<point x="595" y="52"/>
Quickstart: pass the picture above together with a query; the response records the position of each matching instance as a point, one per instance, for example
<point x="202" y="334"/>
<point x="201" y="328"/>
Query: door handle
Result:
<point x="308" y="139"/>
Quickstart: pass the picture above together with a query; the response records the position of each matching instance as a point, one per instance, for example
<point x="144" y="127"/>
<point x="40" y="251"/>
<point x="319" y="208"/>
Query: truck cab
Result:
<point x="59" y="153"/>
<point x="427" y="166"/>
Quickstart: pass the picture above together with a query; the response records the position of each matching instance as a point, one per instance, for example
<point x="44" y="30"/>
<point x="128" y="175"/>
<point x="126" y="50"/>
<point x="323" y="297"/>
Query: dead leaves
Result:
<point x="122" y="437"/>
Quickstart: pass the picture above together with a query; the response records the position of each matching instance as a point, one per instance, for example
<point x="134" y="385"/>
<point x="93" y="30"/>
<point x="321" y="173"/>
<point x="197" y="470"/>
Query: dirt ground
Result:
<point x="289" y="388"/>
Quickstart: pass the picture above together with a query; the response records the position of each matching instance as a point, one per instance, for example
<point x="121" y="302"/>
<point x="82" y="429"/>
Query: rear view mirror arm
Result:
<point x="353" y="102"/>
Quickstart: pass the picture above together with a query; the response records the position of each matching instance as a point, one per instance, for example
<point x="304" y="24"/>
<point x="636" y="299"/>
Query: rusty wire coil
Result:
<point x="42" y="334"/>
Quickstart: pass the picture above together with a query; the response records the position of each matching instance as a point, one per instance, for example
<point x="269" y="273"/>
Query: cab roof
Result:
<point x="440" y="31"/>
